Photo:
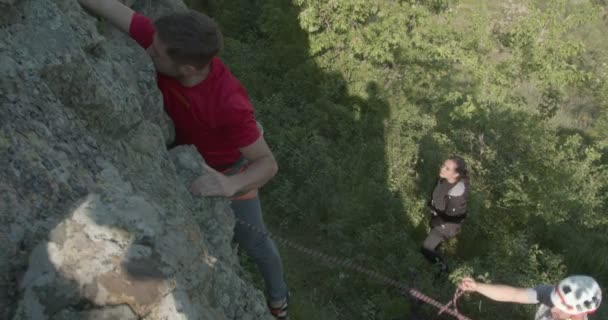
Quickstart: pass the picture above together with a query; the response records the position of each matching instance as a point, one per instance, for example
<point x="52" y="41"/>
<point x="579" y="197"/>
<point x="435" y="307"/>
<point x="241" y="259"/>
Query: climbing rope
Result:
<point x="457" y="295"/>
<point x="403" y="289"/>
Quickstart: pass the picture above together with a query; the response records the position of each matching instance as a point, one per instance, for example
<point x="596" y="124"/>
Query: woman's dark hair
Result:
<point x="461" y="167"/>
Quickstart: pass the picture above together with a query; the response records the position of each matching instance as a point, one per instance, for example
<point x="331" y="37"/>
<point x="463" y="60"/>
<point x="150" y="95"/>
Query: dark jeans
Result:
<point x="260" y="247"/>
<point x="440" y="233"/>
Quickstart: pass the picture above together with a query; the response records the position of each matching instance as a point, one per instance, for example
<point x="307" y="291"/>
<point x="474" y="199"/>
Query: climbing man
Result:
<point x="210" y="110"/>
<point x="573" y="298"/>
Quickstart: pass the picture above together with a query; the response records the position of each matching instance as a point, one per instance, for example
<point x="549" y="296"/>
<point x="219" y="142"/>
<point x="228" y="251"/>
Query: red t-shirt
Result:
<point x="215" y="115"/>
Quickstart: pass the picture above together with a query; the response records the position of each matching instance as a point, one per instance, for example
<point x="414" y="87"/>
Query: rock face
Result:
<point x="95" y="218"/>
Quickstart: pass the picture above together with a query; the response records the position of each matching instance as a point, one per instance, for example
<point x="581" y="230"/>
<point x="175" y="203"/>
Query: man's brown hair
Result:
<point x="191" y="37"/>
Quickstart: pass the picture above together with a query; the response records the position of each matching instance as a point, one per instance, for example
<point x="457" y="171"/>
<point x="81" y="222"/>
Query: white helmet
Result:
<point x="576" y="295"/>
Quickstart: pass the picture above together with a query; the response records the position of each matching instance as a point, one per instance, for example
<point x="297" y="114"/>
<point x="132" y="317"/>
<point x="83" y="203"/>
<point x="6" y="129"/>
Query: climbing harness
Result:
<point x="403" y="289"/>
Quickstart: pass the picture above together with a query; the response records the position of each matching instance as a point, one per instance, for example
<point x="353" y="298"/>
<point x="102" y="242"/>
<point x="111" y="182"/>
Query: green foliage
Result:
<point x="361" y="102"/>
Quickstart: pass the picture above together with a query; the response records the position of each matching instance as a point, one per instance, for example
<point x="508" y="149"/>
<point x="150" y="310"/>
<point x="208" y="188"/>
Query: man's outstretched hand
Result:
<point x="468" y="284"/>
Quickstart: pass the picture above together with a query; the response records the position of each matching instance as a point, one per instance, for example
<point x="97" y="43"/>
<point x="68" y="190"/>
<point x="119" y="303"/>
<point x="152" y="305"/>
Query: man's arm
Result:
<point x="112" y="10"/>
<point x="497" y="292"/>
<point x="262" y="167"/>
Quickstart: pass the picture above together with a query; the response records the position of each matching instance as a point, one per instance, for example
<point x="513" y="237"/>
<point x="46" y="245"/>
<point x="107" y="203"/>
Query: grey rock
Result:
<point x="121" y="312"/>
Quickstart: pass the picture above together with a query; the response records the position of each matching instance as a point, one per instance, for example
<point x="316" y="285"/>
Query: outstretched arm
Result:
<point x="114" y="11"/>
<point x="497" y="292"/>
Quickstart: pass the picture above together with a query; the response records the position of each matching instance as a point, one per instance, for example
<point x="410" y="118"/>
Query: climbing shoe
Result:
<point x="280" y="312"/>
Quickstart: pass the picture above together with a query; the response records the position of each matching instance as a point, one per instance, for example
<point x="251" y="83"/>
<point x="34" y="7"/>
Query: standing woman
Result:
<point x="448" y="207"/>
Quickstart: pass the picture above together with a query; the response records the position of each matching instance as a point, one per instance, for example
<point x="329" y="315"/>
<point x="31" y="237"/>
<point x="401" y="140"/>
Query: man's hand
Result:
<point x="114" y="11"/>
<point x="213" y="184"/>
<point x="468" y="284"/>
